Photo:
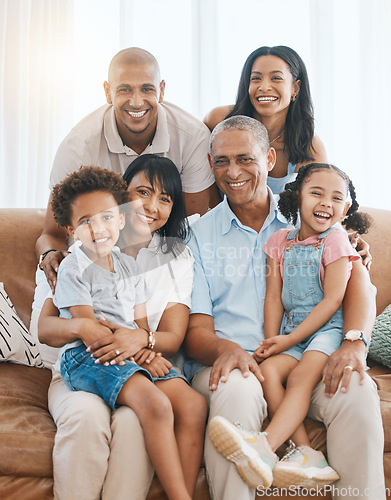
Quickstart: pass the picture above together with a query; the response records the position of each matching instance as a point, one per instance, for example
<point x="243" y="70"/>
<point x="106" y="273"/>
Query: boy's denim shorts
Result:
<point x="326" y="342"/>
<point x="80" y="373"/>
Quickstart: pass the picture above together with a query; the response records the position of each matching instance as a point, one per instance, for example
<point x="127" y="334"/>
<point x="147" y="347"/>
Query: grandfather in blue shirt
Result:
<point x="226" y="322"/>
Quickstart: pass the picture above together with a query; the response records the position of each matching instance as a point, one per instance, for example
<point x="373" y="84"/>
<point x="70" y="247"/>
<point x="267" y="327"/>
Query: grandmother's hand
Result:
<point x="362" y="248"/>
<point x="123" y="344"/>
<point x="89" y="330"/>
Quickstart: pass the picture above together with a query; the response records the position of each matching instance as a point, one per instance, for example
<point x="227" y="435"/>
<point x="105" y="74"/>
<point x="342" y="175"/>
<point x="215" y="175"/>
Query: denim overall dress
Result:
<point x="302" y="290"/>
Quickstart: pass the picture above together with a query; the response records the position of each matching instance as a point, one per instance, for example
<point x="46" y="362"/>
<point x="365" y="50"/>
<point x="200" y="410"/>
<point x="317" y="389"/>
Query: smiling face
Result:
<point x="323" y="202"/>
<point x="96" y="221"/>
<point x="134" y="91"/>
<point x="240" y="166"/>
<point x="271" y="87"/>
<point x="150" y="206"/>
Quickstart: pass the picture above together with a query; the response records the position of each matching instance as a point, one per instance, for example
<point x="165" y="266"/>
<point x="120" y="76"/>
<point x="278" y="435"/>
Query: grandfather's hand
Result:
<point x="340" y="365"/>
<point x="50" y="266"/>
<point x="235" y="357"/>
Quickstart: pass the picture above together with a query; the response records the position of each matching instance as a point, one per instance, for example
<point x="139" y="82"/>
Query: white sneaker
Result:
<point x="249" y="451"/>
<point x="305" y="467"/>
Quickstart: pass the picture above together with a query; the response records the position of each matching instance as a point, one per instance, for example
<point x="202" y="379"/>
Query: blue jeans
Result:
<point x="302" y="290"/>
<point x="80" y="373"/>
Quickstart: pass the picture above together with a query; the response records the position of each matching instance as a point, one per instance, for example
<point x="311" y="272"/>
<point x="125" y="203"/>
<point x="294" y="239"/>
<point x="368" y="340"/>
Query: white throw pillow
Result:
<point x="16" y="342"/>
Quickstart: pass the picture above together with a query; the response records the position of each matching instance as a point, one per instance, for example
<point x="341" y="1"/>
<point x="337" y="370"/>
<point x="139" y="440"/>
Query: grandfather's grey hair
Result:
<point x="241" y="122"/>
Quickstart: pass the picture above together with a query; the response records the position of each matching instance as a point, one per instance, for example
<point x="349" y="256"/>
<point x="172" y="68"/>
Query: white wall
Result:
<point x="201" y="46"/>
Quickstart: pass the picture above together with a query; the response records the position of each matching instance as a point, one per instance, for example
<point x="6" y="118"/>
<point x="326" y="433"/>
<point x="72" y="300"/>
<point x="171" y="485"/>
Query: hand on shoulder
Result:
<point x="217" y="115"/>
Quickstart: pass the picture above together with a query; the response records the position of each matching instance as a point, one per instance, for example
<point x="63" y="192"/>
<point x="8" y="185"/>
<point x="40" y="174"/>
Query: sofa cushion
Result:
<point x="26" y="427"/>
<point x="16" y="342"/>
<point x="382" y="377"/>
<point x="380" y="347"/>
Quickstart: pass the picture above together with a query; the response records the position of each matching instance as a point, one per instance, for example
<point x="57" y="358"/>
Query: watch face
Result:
<point x="353" y="335"/>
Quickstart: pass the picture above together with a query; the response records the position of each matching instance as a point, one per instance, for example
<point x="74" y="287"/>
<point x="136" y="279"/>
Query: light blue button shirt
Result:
<point x="229" y="274"/>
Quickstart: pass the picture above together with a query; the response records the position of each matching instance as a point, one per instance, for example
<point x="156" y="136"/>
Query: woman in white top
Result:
<point x="108" y="459"/>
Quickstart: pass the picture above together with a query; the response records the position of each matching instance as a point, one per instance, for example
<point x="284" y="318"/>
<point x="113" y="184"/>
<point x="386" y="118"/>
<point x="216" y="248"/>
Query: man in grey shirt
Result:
<point x="135" y="121"/>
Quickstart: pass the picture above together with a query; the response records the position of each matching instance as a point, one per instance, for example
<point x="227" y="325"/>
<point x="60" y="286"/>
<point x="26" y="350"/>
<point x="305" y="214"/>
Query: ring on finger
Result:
<point x="348" y="367"/>
<point x="117" y="352"/>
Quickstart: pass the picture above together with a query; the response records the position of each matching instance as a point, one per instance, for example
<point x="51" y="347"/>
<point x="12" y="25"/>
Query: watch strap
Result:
<point x="43" y="255"/>
<point x="361" y="337"/>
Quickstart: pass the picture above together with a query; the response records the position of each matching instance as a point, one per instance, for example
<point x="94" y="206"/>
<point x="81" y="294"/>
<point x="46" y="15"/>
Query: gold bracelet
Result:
<point x="151" y="340"/>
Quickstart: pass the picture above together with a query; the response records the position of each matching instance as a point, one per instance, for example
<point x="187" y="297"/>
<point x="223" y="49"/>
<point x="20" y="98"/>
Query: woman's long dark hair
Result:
<point x="163" y="173"/>
<point x="299" y="124"/>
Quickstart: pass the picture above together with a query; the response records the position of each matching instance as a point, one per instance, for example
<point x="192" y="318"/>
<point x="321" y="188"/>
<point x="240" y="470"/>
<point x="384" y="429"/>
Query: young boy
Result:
<point x="98" y="280"/>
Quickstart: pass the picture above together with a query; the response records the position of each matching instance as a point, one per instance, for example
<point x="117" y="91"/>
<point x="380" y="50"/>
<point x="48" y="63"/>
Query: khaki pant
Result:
<point x="355" y="437"/>
<point x="98" y="453"/>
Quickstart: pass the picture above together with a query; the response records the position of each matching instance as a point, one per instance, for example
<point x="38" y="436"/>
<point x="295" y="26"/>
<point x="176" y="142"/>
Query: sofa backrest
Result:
<point x="379" y="239"/>
<point x="20" y="228"/>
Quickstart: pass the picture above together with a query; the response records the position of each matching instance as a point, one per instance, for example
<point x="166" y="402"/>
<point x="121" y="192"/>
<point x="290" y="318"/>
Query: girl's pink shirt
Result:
<point x="336" y="246"/>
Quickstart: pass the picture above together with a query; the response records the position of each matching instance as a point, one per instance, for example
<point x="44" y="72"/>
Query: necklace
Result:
<point x="274" y="140"/>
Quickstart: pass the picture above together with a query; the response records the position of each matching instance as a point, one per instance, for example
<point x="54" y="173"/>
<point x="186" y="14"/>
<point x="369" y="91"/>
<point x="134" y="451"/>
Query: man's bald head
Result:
<point x="133" y="56"/>
<point x="135" y="91"/>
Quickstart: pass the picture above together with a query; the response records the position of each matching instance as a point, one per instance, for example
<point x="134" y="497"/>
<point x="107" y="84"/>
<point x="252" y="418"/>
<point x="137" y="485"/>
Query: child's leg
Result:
<point x="156" y="417"/>
<point x="276" y="371"/>
<point x="294" y="406"/>
<point x="189" y="425"/>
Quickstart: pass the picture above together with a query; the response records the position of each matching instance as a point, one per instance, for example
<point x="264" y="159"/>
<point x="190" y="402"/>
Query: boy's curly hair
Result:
<point x="289" y="201"/>
<point x="85" y="180"/>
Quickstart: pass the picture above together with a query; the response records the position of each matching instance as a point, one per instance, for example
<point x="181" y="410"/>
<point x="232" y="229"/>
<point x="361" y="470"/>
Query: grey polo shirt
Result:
<point x="112" y="295"/>
<point x="95" y="141"/>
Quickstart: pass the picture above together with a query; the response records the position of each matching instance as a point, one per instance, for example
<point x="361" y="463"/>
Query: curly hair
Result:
<point x="299" y="123"/>
<point x="289" y="201"/>
<point x="85" y="180"/>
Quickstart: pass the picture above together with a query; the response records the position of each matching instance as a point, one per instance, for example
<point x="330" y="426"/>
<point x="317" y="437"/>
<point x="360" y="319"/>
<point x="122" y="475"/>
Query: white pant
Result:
<point x="42" y="291"/>
<point x="98" y="453"/>
<point x="355" y="437"/>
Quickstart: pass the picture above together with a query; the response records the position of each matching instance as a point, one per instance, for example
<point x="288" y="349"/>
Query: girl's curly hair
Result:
<point x="289" y="201"/>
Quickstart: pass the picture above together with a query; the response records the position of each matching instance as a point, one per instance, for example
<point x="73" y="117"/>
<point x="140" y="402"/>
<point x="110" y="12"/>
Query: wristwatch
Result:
<point x="354" y="335"/>
<point x="43" y="255"/>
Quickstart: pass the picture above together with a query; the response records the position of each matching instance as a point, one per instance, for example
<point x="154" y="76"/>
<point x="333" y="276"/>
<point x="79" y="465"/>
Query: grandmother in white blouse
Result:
<point x="100" y="453"/>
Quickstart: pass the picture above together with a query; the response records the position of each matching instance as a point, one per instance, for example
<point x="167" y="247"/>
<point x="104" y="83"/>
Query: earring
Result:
<point x="294" y="97"/>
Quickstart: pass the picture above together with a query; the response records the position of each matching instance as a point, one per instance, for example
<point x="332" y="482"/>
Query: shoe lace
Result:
<point x="251" y="432"/>
<point x="291" y="451"/>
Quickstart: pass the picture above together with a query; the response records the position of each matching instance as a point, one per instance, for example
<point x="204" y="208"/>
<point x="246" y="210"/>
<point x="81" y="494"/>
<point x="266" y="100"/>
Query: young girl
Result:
<point x="308" y="270"/>
<point x="97" y="279"/>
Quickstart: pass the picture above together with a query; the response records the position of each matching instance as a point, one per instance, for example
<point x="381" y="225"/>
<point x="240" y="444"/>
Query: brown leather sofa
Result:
<point x="26" y="427"/>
